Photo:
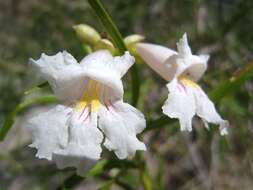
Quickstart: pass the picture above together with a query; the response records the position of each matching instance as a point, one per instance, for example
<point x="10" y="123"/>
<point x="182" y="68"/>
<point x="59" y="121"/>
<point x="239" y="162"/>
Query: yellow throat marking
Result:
<point x="189" y="82"/>
<point x="91" y="97"/>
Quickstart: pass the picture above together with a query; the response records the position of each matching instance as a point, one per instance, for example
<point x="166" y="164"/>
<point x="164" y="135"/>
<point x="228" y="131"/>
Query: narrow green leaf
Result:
<point x="232" y="85"/>
<point x="97" y="169"/>
<point x="38" y="87"/>
<point x="146" y="180"/>
<point x="20" y="107"/>
<point x="107" y="185"/>
<point x="135" y="84"/>
<point x="118" y="42"/>
<point x="70" y="182"/>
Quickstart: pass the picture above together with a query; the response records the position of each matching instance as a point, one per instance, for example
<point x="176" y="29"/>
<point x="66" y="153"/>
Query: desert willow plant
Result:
<point x="90" y="110"/>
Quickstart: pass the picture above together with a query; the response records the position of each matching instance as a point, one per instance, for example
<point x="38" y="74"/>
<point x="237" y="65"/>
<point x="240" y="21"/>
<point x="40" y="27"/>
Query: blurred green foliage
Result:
<point x="200" y="160"/>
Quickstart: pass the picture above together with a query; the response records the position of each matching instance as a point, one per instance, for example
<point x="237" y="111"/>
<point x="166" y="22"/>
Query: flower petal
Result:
<point x="103" y="68"/>
<point x="155" y="56"/>
<point x="183" y="47"/>
<point x="63" y="73"/>
<point x="120" y="124"/>
<point x="83" y="145"/>
<point x="180" y="104"/>
<point x="49" y="131"/>
<point x="96" y="59"/>
<point x="131" y="116"/>
<point x="171" y="64"/>
<point x="206" y="110"/>
<point x="123" y="63"/>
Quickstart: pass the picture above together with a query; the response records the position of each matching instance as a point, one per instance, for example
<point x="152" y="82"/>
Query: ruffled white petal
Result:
<point x="103" y="61"/>
<point x="183" y="47"/>
<point x="63" y="73"/>
<point x="206" y="110"/>
<point x="120" y="124"/>
<point x="49" y="131"/>
<point x="123" y="63"/>
<point x="107" y="70"/>
<point x="84" y="144"/>
<point x="97" y="59"/>
<point x="180" y="104"/>
<point x="186" y="99"/>
<point x="132" y="117"/>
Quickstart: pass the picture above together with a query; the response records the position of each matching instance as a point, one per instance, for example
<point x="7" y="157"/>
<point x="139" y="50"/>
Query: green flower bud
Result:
<point x="131" y="42"/>
<point x="133" y="39"/>
<point x="87" y="34"/>
<point x="86" y="48"/>
<point x="105" y="44"/>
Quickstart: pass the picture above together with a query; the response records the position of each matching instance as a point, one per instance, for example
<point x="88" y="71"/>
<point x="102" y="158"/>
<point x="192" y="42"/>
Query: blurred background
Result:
<point x="198" y="160"/>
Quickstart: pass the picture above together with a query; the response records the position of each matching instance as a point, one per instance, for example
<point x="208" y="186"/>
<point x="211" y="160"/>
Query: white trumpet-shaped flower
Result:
<point x="182" y="69"/>
<point x="91" y="112"/>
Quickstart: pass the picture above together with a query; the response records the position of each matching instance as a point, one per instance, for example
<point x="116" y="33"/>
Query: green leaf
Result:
<point x="232" y="85"/>
<point x="104" y="164"/>
<point x="97" y="169"/>
<point x="38" y="87"/>
<point x="20" y="107"/>
<point x="107" y="185"/>
<point x="135" y="84"/>
<point x="146" y="180"/>
<point x="118" y="42"/>
<point x="70" y="182"/>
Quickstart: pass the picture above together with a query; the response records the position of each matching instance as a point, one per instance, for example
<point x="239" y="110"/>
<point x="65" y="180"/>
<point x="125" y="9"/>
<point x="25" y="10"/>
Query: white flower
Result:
<point x="182" y="70"/>
<point x="91" y="109"/>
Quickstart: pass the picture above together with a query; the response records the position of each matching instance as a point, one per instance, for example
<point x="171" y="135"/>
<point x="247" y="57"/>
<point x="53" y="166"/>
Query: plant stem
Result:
<point x="107" y="22"/>
<point x="117" y="40"/>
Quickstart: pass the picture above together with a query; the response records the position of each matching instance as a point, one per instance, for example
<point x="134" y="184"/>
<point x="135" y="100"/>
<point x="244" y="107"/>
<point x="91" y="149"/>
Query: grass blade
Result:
<point x="232" y="85"/>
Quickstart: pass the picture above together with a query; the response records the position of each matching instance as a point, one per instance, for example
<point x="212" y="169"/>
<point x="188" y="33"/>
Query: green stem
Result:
<point x="145" y="177"/>
<point x="107" y="22"/>
<point x="117" y="40"/>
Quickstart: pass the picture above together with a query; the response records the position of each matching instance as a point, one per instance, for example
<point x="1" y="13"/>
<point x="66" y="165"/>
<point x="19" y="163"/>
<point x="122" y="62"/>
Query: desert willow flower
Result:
<point x="91" y="109"/>
<point x="182" y="69"/>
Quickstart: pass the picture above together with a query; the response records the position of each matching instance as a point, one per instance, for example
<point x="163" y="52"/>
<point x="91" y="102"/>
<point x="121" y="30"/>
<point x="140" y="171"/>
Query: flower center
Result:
<point x="189" y="82"/>
<point x="91" y="97"/>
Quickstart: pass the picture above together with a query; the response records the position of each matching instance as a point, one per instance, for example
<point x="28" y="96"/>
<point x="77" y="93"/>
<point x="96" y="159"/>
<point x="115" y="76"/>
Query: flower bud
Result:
<point x="133" y="39"/>
<point x="87" y="34"/>
<point x="104" y="44"/>
<point x="131" y="42"/>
